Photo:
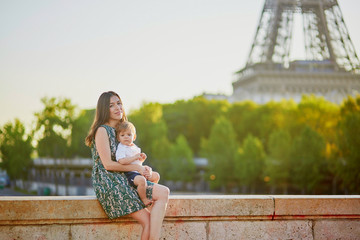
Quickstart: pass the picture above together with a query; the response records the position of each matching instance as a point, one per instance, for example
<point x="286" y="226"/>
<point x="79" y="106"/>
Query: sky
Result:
<point x="145" y="50"/>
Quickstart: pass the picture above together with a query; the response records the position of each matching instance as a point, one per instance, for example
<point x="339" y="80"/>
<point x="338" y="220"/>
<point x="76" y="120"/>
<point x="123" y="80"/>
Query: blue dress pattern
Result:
<point x="112" y="189"/>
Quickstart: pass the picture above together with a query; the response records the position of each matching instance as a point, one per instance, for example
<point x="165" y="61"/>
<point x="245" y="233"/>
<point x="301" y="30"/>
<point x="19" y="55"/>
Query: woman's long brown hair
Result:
<point x="102" y="115"/>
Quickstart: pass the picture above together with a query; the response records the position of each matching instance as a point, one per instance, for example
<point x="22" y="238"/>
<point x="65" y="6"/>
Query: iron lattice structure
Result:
<point x="326" y="37"/>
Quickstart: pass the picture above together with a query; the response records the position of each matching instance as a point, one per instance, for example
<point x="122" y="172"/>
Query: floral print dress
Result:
<point x="112" y="189"/>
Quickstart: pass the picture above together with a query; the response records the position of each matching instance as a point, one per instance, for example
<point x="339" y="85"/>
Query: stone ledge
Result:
<point x="86" y="209"/>
<point x="187" y="217"/>
<point x="311" y="207"/>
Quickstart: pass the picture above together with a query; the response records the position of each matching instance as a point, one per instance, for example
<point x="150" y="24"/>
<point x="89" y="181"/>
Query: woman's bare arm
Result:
<point x="103" y="148"/>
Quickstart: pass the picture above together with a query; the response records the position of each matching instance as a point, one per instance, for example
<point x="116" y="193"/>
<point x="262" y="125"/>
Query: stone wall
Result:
<point x="207" y="217"/>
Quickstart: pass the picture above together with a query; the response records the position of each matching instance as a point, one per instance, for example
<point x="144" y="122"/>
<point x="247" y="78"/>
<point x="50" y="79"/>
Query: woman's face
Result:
<point x="116" y="110"/>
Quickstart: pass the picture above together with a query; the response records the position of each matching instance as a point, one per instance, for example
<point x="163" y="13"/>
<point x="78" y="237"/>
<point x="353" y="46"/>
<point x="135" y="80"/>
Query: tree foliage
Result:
<point x="307" y="159"/>
<point x="54" y="124"/>
<point x="311" y="146"/>
<point x="348" y="163"/>
<point x="181" y="161"/>
<point x="221" y="150"/>
<point x="80" y="129"/>
<point x="15" y="149"/>
<point x="149" y="125"/>
<point x="160" y="158"/>
<point x="193" y="119"/>
<point x="251" y="162"/>
<point x="321" y="115"/>
<point x="277" y="164"/>
<point x="242" y="116"/>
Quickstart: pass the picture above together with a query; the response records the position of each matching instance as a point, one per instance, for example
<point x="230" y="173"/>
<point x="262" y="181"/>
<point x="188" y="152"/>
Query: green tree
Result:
<point x="16" y="149"/>
<point x="272" y="116"/>
<point x="260" y="120"/>
<point x="348" y="163"/>
<point x="80" y="129"/>
<point x="243" y="118"/>
<point x="160" y="160"/>
<point x="277" y="164"/>
<point x="193" y="119"/>
<point x="182" y="161"/>
<point x="54" y="124"/>
<point x="202" y="116"/>
<point x="149" y="126"/>
<point x="151" y="131"/>
<point x="177" y="119"/>
<point x="251" y="162"/>
<point x="221" y="150"/>
<point x="320" y="114"/>
<point x="308" y="159"/>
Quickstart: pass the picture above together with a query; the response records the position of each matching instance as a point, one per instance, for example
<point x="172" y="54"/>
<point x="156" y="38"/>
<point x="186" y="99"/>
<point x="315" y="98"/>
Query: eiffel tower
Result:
<point x="331" y="67"/>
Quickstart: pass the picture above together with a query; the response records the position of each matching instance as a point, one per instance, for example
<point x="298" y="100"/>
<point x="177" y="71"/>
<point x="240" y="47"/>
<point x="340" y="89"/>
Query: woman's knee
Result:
<point x="167" y="191"/>
<point x="163" y="192"/>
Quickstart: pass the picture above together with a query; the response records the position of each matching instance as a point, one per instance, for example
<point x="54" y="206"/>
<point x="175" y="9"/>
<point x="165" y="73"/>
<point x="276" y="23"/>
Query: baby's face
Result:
<point x="126" y="137"/>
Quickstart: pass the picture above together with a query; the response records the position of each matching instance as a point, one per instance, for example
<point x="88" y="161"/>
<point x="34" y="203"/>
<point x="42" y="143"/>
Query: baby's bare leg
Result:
<point x="155" y="177"/>
<point x="141" y="184"/>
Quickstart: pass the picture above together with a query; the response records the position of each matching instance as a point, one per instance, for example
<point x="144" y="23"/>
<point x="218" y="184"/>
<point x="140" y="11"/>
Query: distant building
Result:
<point x="331" y="68"/>
<point x="263" y="83"/>
<point x="210" y="96"/>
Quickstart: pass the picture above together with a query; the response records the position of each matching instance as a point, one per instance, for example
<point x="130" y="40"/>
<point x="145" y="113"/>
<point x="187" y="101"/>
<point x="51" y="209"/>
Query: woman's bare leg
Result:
<point x="160" y="197"/>
<point x="143" y="217"/>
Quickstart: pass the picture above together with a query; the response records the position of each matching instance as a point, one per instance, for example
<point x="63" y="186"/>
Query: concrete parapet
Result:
<point x="187" y="217"/>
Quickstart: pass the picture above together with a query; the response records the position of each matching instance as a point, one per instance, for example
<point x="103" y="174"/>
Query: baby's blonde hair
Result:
<point x="123" y="126"/>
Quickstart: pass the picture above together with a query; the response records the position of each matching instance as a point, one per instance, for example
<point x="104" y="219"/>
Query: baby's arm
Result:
<point x="129" y="160"/>
<point x="123" y="159"/>
<point x="142" y="157"/>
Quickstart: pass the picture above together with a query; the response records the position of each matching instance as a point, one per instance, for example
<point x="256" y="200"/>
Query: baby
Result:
<point x="128" y="153"/>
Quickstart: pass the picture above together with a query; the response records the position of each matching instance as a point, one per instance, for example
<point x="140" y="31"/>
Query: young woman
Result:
<point x="111" y="186"/>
